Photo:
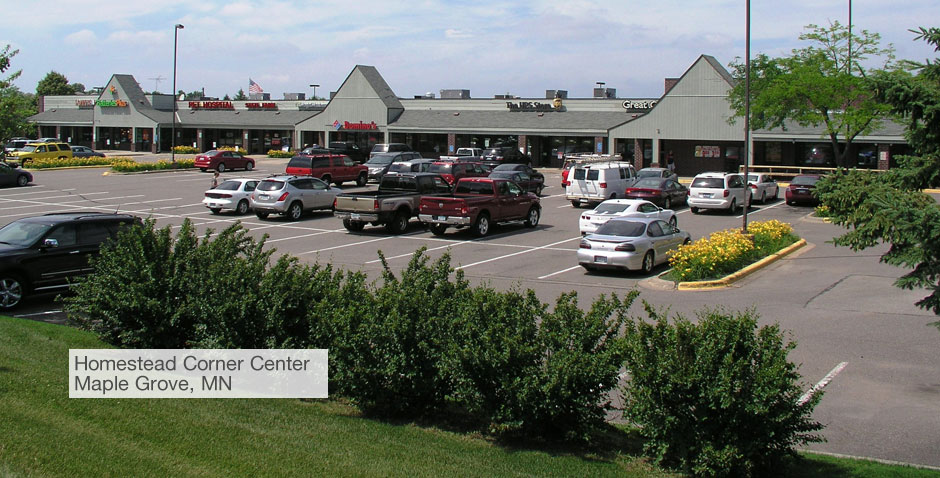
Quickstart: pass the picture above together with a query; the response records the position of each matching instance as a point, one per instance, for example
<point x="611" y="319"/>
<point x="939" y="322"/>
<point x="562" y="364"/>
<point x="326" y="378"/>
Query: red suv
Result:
<point x="331" y="168"/>
<point x="453" y="171"/>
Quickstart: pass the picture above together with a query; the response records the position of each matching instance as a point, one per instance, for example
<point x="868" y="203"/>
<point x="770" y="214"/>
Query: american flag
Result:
<point x="254" y="87"/>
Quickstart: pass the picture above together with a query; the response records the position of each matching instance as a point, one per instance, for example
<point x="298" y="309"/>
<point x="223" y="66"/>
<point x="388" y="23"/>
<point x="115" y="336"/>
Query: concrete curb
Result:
<point x="727" y="280"/>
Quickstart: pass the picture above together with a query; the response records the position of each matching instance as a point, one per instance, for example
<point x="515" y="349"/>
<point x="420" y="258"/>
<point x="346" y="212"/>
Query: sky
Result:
<point x="487" y="46"/>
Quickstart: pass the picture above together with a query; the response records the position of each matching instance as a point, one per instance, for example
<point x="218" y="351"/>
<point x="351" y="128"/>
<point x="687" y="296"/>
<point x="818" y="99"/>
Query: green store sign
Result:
<point x="120" y="103"/>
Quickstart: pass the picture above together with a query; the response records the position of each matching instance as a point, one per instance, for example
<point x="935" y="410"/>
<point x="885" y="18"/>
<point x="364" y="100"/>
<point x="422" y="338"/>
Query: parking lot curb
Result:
<point x="727" y="280"/>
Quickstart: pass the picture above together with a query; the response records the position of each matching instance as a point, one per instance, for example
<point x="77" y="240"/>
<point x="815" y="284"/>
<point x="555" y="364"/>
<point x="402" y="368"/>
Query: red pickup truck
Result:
<point x="478" y="203"/>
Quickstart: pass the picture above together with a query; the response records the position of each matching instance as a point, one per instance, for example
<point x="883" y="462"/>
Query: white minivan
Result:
<point x="593" y="183"/>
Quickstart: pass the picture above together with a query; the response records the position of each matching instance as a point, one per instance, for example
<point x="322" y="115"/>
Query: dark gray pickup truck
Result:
<point x="393" y="205"/>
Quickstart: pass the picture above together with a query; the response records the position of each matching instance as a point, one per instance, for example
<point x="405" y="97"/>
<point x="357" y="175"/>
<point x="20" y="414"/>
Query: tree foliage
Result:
<point x="823" y="84"/>
<point x="241" y="96"/>
<point x="15" y="106"/>
<point x="890" y="208"/>
<point x="54" y="83"/>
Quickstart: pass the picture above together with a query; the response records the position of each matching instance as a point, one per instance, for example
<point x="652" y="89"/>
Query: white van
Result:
<point x="595" y="182"/>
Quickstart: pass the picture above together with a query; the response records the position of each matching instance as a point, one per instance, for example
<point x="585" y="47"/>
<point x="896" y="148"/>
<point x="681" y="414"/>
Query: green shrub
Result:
<point x="727" y="251"/>
<point x="130" y="166"/>
<point x="277" y="153"/>
<point x="185" y="149"/>
<point x="716" y="398"/>
<point x="45" y="163"/>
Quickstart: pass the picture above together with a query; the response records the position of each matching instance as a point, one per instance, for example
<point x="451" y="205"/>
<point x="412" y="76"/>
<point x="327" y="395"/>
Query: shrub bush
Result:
<point x="727" y="251"/>
<point x="185" y="149"/>
<point x="45" y="163"/>
<point x="277" y="153"/>
<point x="128" y="165"/>
<point x="716" y="398"/>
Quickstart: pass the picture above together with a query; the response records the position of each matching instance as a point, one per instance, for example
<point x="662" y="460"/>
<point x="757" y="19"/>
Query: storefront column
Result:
<point x="884" y="157"/>
<point x="523" y="144"/>
<point x="58" y="133"/>
<point x="657" y="150"/>
<point x="598" y="144"/>
<point x="451" y="143"/>
<point x="637" y="154"/>
<point x="199" y="140"/>
<point x="245" y="139"/>
<point x="133" y="138"/>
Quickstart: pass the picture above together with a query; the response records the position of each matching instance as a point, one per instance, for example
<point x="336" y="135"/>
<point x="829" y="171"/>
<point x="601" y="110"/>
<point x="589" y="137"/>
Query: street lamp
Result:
<point x="176" y="29"/>
<point x="747" y="110"/>
<point x="314" y="91"/>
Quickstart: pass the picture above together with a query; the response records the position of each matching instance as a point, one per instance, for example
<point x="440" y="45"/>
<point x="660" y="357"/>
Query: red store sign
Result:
<point x="211" y="105"/>
<point x="355" y="126"/>
<point x="261" y="106"/>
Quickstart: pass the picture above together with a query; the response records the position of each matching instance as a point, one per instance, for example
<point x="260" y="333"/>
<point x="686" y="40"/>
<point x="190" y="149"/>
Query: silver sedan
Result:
<point x="630" y="243"/>
<point x="234" y="194"/>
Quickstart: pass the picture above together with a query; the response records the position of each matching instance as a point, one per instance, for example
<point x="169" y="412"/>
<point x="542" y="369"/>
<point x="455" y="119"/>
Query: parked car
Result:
<point x="526" y="182"/>
<point x="85" y="152"/>
<point x="292" y="196"/>
<point x="15" y="144"/>
<point x="504" y="155"/>
<point x="525" y="168"/>
<point x="465" y="154"/>
<point x="762" y="186"/>
<point x="661" y="173"/>
<point x="11" y="175"/>
<point x="233" y="194"/>
<point x="394" y="204"/>
<point x="726" y="191"/>
<point x="223" y="160"/>
<point x="349" y="149"/>
<point x="630" y="243"/>
<point x="420" y="165"/>
<point x="379" y="163"/>
<point x="454" y="171"/>
<point x="34" y="151"/>
<point x="660" y="191"/>
<point x="800" y="190"/>
<point x="331" y="168"/>
<point x="47" y="252"/>
<point x="478" y="203"/>
<point x="613" y="208"/>
<point x="596" y="182"/>
<point x="388" y="148"/>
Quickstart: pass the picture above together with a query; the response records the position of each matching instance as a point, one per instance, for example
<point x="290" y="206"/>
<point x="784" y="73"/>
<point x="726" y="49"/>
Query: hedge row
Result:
<point x="46" y="163"/>
<point x="127" y="165"/>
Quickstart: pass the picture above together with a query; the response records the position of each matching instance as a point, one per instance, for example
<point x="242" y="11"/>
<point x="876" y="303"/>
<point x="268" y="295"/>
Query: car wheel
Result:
<point x="261" y="215"/>
<point x="575" y="203"/>
<point x="588" y="268"/>
<point x="438" y="229"/>
<point x="353" y="226"/>
<point x="686" y="242"/>
<point x="538" y="190"/>
<point x="295" y="211"/>
<point x="362" y="180"/>
<point x="220" y="168"/>
<point x="733" y="206"/>
<point x="215" y="210"/>
<point x="763" y="197"/>
<point x="11" y="291"/>
<point x="203" y="169"/>
<point x="249" y="166"/>
<point x="242" y="207"/>
<point x="532" y="219"/>
<point x="327" y="178"/>
<point x="613" y="196"/>
<point x="398" y="224"/>
<point x="22" y="180"/>
<point x="647" y="266"/>
<point x="482" y="226"/>
<point x="694" y="210"/>
<point x="667" y="204"/>
<point x="673" y="221"/>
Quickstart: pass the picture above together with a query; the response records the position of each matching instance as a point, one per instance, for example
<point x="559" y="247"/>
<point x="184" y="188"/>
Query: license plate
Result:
<point x="706" y="195"/>
<point x="439" y="218"/>
<point x="600" y="259"/>
<point x="264" y="197"/>
<point x="802" y="191"/>
<point x="354" y="217"/>
<point x="212" y="204"/>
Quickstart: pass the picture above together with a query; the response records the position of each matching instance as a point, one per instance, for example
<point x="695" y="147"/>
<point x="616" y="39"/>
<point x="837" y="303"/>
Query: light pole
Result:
<point x="314" y="91"/>
<point x="747" y="110"/>
<point x="176" y="29"/>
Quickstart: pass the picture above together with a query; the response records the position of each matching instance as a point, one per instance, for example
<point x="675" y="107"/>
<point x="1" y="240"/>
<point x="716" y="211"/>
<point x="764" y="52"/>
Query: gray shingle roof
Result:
<point x="64" y="115"/>
<point x="561" y="121"/>
<point x="243" y="119"/>
<point x="385" y="93"/>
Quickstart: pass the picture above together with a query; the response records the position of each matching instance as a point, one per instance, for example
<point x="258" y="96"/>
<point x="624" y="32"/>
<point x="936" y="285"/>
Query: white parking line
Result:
<point x="304" y="235"/>
<point x="347" y="245"/>
<point x="429" y="250"/>
<point x="822" y="383"/>
<point x="50" y="197"/>
<point x="566" y="205"/>
<point x="764" y="208"/>
<point x="546" y="276"/>
<point x="31" y="192"/>
<point x="516" y="253"/>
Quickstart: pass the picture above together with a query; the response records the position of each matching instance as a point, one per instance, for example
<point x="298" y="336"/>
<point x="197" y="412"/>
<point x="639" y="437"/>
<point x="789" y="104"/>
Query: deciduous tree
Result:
<point x="15" y="106"/>
<point x="54" y="83"/>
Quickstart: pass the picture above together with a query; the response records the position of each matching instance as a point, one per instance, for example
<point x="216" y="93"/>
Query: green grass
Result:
<point x="44" y="433"/>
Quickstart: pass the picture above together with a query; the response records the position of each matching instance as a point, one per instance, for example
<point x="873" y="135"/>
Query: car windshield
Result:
<point x="29" y="148"/>
<point x="381" y="159"/>
<point x="804" y="180"/>
<point x="718" y="183"/>
<point x="211" y="152"/>
<point x="753" y="178"/>
<point x="646" y="173"/>
<point x="269" y="185"/>
<point x="622" y="228"/>
<point x="23" y="233"/>
<point x="442" y="168"/>
<point x="611" y="208"/>
<point x="491" y="152"/>
<point x="380" y="148"/>
<point x="651" y="183"/>
<point x="230" y="185"/>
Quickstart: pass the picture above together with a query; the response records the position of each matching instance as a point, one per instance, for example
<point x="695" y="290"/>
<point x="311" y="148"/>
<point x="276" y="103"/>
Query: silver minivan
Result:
<point x="593" y="183"/>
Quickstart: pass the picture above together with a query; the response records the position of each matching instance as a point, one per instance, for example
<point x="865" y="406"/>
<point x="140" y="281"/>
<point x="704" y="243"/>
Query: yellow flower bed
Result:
<point x="726" y="251"/>
<point x="45" y="163"/>
<point x="277" y="153"/>
<point x="129" y="165"/>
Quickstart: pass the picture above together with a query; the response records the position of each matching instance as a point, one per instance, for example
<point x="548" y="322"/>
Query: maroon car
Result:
<point x="453" y="171"/>
<point x="223" y="160"/>
<point x="800" y="190"/>
<point x="478" y="203"/>
<point x="662" y="192"/>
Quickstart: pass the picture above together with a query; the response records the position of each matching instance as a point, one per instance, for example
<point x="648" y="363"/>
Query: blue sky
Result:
<point x="487" y="46"/>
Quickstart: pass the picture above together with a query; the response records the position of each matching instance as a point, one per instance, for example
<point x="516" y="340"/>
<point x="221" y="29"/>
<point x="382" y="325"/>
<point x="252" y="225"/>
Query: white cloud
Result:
<point x="456" y="34"/>
<point x="81" y="38"/>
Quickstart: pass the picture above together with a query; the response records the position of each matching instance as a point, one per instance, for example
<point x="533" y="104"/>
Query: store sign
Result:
<point x="120" y="103"/>
<point x="355" y="126"/>
<point x="85" y="103"/>
<point x="707" y="151"/>
<point x="638" y="105"/>
<point x="211" y="105"/>
<point x="530" y="106"/>
<point x="261" y="106"/>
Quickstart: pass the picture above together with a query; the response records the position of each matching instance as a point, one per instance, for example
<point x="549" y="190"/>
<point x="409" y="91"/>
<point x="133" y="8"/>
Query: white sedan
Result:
<point x="612" y="208"/>
<point x="763" y="187"/>
<point x="234" y="194"/>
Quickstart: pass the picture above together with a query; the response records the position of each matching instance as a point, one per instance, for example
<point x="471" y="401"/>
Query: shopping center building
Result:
<point x="689" y="122"/>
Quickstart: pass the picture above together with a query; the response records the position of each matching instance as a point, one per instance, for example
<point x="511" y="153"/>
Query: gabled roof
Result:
<point x="136" y="96"/>
<point x="384" y="92"/>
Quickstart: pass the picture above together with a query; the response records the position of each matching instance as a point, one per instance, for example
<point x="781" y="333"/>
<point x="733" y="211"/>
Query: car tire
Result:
<point x="249" y="166"/>
<point x="763" y="197"/>
<point x="353" y="226"/>
<point x="398" y="224"/>
<point x="673" y="221"/>
<point x="215" y="210"/>
<point x="261" y="215"/>
<point x="482" y="225"/>
<point x="242" y="208"/>
<point x="326" y="178"/>
<point x="588" y="268"/>
<point x="686" y="242"/>
<point x="733" y="206"/>
<point x="362" y="180"/>
<point x="438" y="229"/>
<point x="220" y="168"/>
<point x="693" y="210"/>
<point x="295" y="211"/>
<point x="648" y="261"/>
<point x="538" y="190"/>
<point x="667" y="204"/>
<point x="12" y="291"/>
<point x="575" y="203"/>
<point x="532" y="218"/>
<point x="203" y="169"/>
<point x="22" y="180"/>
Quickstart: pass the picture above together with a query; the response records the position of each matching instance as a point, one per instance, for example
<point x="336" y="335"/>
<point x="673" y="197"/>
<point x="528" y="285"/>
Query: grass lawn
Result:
<point x="44" y="433"/>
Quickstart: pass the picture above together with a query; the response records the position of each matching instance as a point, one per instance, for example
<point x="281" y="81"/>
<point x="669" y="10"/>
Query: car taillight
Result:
<point x="625" y="248"/>
<point x="726" y="193"/>
<point x="629" y="190"/>
<point x="753" y="186"/>
<point x="334" y="203"/>
<point x="283" y="197"/>
<point x="586" y="218"/>
<point x="584" y="245"/>
<point x="421" y="207"/>
<point x="603" y="185"/>
<point x="464" y="210"/>
<point x="375" y="205"/>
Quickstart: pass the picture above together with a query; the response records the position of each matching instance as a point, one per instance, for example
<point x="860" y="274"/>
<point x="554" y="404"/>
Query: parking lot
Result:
<point x="850" y="323"/>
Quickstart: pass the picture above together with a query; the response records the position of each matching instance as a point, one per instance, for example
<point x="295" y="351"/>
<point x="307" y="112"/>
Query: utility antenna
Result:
<point x="156" y="82"/>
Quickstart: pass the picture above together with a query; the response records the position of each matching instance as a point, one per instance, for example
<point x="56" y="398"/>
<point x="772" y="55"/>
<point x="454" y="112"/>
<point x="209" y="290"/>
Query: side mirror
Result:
<point x="50" y="243"/>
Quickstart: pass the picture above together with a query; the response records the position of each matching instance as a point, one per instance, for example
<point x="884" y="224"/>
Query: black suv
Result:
<point x="349" y="149"/>
<point x="493" y="157"/>
<point x="43" y="253"/>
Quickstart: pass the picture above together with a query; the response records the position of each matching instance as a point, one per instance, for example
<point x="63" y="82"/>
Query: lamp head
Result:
<point x="179" y="26"/>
